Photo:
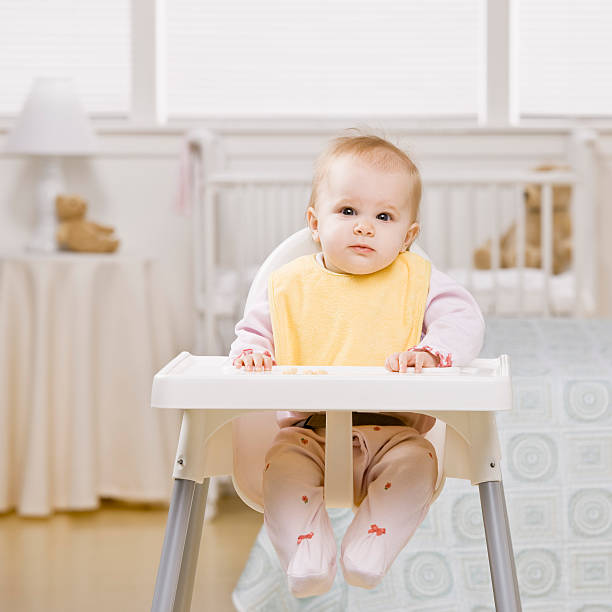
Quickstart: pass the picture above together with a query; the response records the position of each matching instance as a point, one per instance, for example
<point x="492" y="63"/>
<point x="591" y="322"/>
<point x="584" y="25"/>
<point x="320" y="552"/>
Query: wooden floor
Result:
<point x="107" y="560"/>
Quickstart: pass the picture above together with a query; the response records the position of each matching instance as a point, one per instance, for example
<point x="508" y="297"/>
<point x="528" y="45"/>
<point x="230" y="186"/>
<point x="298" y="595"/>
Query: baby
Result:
<point x="365" y="299"/>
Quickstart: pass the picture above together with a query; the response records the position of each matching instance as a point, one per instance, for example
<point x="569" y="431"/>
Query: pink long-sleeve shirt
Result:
<point x="453" y="330"/>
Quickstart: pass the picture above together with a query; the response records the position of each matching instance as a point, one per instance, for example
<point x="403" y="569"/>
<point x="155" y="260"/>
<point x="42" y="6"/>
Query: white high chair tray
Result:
<point x="213" y="383"/>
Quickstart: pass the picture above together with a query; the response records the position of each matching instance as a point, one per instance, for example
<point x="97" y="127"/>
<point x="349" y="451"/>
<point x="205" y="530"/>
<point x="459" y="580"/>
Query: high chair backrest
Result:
<point x="253" y="433"/>
<point x="298" y="244"/>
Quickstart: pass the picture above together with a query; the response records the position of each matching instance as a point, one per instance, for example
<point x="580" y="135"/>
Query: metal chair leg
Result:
<point x="499" y="547"/>
<point x="179" y="558"/>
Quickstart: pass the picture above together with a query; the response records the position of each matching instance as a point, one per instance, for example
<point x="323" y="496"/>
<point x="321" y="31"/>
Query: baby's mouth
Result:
<point x="360" y="248"/>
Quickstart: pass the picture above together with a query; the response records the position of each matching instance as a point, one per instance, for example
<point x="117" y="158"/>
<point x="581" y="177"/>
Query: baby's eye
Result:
<point x="386" y="215"/>
<point x="347" y="210"/>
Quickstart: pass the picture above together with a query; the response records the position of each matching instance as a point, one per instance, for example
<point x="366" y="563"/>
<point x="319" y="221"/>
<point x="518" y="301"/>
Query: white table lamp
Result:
<point x="52" y="124"/>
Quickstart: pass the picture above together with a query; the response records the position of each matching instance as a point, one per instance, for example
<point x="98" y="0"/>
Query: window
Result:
<point x="313" y="58"/>
<point x="88" y="41"/>
<point x="563" y="54"/>
<point x="324" y="57"/>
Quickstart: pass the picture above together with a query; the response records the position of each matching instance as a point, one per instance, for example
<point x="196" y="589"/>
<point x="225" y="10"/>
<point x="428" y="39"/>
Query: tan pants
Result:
<point x="394" y="474"/>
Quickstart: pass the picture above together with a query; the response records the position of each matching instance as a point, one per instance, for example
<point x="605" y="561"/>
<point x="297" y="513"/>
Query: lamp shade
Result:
<point x="52" y="122"/>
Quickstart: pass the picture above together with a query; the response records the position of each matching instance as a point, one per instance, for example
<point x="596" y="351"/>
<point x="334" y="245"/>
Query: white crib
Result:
<point x="240" y="213"/>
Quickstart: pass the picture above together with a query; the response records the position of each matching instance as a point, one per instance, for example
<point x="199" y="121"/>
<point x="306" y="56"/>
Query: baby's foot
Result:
<point x="363" y="560"/>
<point x="312" y="569"/>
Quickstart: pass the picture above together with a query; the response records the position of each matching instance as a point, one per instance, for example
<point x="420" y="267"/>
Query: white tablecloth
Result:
<point x="80" y="339"/>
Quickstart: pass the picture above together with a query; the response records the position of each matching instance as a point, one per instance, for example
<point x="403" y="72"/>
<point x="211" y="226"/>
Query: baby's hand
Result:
<point x="254" y="361"/>
<point x="418" y="359"/>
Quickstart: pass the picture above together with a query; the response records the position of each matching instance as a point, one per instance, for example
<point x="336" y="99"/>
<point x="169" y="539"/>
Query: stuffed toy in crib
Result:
<point x="74" y="233"/>
<point x="561" y="234"/>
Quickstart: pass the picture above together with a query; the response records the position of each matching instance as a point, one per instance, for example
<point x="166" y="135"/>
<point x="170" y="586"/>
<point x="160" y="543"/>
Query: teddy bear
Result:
<point x="74" y="233"/>
<point x="561" y="232"/>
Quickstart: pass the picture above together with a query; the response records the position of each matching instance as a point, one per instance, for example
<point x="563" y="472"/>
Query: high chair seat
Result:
<point x="229" y="423"/>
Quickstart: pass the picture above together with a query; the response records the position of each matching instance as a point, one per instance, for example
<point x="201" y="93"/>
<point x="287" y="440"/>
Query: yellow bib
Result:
<point x="323" y="318"/>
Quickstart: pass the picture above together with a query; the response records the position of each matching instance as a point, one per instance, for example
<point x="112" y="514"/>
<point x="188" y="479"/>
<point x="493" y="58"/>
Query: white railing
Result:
<point x="241" y="216"/>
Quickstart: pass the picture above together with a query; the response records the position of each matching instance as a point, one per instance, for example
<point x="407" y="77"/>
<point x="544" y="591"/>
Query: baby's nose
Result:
<point x="364" y="229"/>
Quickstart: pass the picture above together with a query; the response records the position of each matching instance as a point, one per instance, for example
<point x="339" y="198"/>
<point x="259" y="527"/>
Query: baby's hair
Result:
<point x="373" y="149"/>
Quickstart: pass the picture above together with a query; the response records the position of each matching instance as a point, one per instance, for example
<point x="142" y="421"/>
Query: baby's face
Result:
<point x="363" y="217"/>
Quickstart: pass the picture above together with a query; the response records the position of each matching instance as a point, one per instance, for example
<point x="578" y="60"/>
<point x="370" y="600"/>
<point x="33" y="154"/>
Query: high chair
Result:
<point x="229" y="422"/>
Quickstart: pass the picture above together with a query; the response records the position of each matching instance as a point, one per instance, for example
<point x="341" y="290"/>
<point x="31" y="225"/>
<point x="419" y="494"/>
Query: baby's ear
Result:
<point x="313" y="223"/>
<point x="411" y="234"/>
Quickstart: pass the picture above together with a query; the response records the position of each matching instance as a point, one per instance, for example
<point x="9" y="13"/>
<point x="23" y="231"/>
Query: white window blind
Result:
<point x="315" y="57"/>
<point x="88" y="41"/>
<point x="564" y="57"/>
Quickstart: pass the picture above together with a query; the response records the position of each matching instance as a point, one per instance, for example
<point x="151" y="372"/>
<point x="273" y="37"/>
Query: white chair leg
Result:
<point x="499" y="547"/>
<point x="212" y="498"/>
<point x="179" y="558"/>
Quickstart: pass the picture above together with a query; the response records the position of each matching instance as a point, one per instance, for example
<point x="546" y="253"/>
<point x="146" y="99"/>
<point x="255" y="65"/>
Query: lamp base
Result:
<point x="42" y="242"/>
<point x="49" y="186"/>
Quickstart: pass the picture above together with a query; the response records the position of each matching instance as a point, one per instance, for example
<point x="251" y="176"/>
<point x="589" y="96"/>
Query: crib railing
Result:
<point x="241" y="216"/>
<point x="492" y="187"/>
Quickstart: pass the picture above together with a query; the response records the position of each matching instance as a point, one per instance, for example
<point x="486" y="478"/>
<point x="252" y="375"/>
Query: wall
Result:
<point x="604" y="229"/>
<point x="132" y="183"/>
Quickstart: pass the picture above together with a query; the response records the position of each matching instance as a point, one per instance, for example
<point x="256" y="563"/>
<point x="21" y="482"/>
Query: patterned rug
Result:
<point x="557" y="472"/>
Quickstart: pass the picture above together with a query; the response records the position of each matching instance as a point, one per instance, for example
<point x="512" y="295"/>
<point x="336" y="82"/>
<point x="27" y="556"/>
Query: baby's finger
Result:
<point x="248" y="362"/>
<point x="267" y="363"/>
<point x="418" y="361"/>
<point x="404" y="359"/>
<point x="258" y="361"/>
